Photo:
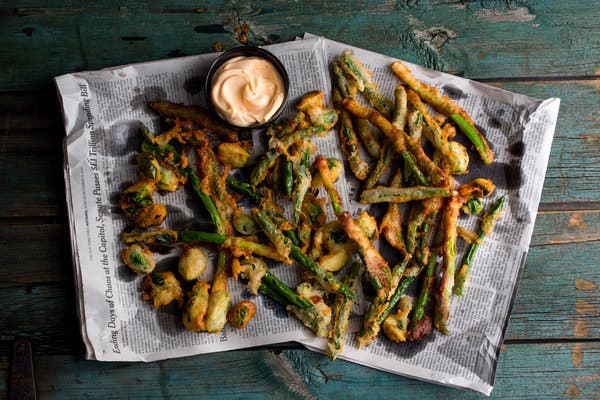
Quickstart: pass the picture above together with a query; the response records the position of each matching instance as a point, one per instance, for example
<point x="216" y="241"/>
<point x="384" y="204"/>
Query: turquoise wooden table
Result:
<point x="539" y="48"/>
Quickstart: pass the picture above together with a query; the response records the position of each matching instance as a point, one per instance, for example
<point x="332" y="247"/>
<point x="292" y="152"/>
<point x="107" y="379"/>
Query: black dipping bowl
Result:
<point x="247" y="51"/>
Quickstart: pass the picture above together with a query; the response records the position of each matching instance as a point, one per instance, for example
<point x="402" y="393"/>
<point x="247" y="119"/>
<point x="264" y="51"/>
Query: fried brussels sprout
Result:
<point x="137" y="197"/>
<point x="233" y="154"/>
<point x="162" y="288"/>
<point x="168" y="181"/>
<point x="195" y="309"/>
<point x="139" y="259"/>
<point x="192" y="263"/>
<point x="136" y="202"/>
<point x="244" y="223"/>
<point x="149" y="167"/>
<point x="458" y="163"/>
<point x="473" y="206"/>
<point x="240" y="315"/>
<point x="336" y="259"/>
<point x="252" y="269"/>
<point x="152" y="215"/>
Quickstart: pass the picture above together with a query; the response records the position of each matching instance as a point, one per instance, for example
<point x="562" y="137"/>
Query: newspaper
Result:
<point x="103" y="111"/>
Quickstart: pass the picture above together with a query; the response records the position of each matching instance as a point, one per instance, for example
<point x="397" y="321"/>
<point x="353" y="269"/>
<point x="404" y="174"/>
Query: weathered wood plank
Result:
<point x="563" y="227"/>
<point x="478" y="40"/>
<point x="558" y="295"/>
<point x="31" y="138"/>
<point x="32" y="185"/>
<point x="531" y="371"/>
<point x="34" y="253"/>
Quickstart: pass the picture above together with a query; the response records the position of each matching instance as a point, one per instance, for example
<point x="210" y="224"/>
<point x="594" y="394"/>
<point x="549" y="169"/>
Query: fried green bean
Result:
<point x="367" y="136"/>
<point x="418" y="214"/>
<point x="442" y="303"/>
<point x="454" y="156"/>
<point x="374" y="315"/>
<point x="376" y="265"/>
<point x="271" y="284"/>
<point x="427" y="283"/>
<point x="391" y="223"/>
<point x="488" y="221"/>
<point x="411" y="166"/>
<point x="415" y="125"/>
<point x="198" y="115"/>
<point x="363" y="127"/>
<point x="279" y="240"/>
<point x="340" y="80"/>
<point x="400" y="140"/>
<point x="349" y="141"/>
<point x="386" y="194"/>
<point x="302" y="184"/>
<point x="467" y="126"/>
<point x="446" y="106"/>
<point x="410" y="274"/>
<point x="261" y="169"/>
<point x="173" y="238"/>
<point x="362" y="76"/>
<point x="383" y="164"/>
<point x="325" y="278"/>
<point x="322" y="166"/>
<point x="475" y="188"/>
<point x="288" y="177"/>
<point x="380" y="305"/>
<point x="400" y="108"/>
<point x="341" y="314"/>
<point x="244" y="189"/>
<point x="278" y="176"/>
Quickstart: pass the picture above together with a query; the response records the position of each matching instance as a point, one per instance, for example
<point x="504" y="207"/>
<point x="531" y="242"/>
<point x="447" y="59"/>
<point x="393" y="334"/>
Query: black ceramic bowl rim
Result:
<point x="247" y="51"/>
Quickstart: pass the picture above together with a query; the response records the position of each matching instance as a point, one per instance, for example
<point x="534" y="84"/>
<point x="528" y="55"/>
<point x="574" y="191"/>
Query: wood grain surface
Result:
<point x="538" y="48"/>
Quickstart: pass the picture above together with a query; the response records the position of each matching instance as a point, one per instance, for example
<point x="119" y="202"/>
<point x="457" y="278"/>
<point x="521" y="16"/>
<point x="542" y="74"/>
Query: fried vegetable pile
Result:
<point x="403" y="154"/>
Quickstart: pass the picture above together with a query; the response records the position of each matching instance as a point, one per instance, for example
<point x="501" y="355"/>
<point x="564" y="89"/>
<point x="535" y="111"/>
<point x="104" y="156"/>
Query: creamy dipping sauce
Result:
<point x="247" y="90"/>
